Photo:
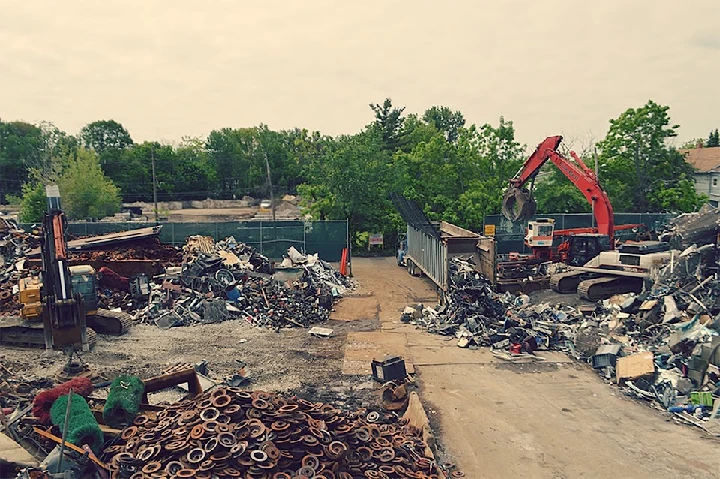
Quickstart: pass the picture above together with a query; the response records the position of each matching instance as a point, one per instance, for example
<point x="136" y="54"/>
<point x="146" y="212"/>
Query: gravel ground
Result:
<point x="288" y="361"/>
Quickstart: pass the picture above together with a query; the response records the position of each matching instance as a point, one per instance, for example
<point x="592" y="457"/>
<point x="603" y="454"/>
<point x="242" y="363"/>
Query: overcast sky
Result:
<point x="167" y="69"/>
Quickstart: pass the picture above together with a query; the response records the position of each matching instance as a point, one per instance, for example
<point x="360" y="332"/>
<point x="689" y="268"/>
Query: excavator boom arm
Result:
<point x="576" y="171"/>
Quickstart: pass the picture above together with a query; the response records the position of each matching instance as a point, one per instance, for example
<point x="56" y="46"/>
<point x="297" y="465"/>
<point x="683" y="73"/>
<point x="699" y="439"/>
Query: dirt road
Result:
<point x="555" y="419"/>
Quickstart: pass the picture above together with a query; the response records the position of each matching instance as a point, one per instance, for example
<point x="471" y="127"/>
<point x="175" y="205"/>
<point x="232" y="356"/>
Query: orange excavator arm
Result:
<point x="519" y="205"/>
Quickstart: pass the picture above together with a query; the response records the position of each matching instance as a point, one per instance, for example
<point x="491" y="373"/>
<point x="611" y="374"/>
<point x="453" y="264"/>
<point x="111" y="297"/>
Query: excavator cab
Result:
<point x="577" y="250"/>
<point x="540" y="233"/>
<point x="84" y="282"/>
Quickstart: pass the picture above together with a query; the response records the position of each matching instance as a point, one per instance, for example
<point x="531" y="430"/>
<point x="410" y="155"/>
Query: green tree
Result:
<point x="460" y="182"/>
<point x="713" y="139"/>
<point x="492" y="157"/>
<point x="445" y="120"/>
<point x="389" y="121"/>
<point x="105" y="134"/>
<point x="194" y="168"/>
<point x="679" y="197"/>
<point x="557" y="194"/>
<point x="691" y="144"/>
<point x="636" y="164"/>
<point x="111" y="141"/>
<point x="131" y="171"/>
<point x="33" y="204"/>
<point x="238" y="160"/>
<point x="86" y="192"/>
<point x="21" y="147"/>
<point x="353" y="180"/>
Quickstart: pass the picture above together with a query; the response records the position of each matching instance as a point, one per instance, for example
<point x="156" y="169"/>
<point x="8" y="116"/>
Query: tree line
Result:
<point x="456" y="172"/>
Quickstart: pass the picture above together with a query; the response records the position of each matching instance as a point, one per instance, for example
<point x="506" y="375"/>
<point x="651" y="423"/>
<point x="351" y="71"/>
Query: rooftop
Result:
<point x="703" y="159"/>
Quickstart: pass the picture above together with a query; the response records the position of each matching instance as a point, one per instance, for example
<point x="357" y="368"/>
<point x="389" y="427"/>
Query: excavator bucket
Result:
<point x="518" y="204"/>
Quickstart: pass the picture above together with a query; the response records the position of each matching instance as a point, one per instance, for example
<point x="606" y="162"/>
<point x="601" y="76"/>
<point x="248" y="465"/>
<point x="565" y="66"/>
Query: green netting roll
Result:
<point x="123" y="401"/>
<point x="82" y="426"/>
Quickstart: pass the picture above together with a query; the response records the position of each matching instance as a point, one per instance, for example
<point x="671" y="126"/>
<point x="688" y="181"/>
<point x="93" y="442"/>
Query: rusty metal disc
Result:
<point x="306" y="472"/>
<point x="226" y="439"/>
<point x="151" y="467"/>
<point x="209" y="426"/>
<point x="196" y="456"/>
<point x="129" y="432"/>
<point x="140" y="420"/>
<point x="210" y="444"/>
<point x="269" y="448"/>
<point x="221" y="401"/>
<point x="311" y="461"/>
<point x="209" y="414"/>
<point x="197" y="432"/>
<point x="239" y="448"/>
<point x="258" y="456"/>
<point x="173" y="467"/>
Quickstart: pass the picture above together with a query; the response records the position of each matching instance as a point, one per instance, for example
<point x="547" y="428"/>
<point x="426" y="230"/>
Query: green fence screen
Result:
<point x="270" y="238"/>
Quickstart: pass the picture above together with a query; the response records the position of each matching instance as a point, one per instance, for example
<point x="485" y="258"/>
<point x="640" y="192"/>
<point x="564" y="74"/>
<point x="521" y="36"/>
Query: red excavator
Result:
<point x="579" y="245"/>
<point x="597" y="271"/>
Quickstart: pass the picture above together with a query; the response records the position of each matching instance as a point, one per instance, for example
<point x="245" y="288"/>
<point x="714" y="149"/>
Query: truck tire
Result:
<point x="413" y="270"/>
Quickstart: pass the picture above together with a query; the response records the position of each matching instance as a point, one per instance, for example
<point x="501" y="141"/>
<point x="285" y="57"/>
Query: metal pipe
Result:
<point x="64" y="431"/>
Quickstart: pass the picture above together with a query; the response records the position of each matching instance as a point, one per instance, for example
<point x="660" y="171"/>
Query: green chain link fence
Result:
<point x="270" y="238"/>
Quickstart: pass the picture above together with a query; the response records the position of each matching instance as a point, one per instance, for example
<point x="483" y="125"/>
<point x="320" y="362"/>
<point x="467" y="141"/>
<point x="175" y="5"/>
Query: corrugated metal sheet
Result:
<point x="429" y="254"/>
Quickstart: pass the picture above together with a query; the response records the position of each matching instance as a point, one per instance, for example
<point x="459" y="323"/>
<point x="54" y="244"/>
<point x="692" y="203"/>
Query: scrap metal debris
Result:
<point x="237" y="433"/>
<point x="144" y="249"/>
<point x="662" y="345"/>
<point x="204" y="282"/>
<point x="15" y="244"/>
<point x="230" y="280"/>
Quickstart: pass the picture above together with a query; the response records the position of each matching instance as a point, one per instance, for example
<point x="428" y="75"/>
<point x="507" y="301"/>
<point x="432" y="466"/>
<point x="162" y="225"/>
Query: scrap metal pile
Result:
<point x="145" y="249"/>
<point x="205" y="282"/>
<point x="321" y="271"/>
<point x="662" y="345"/>
<point x="230" y="432"/>
<point x="478" y="316"/>
<point x="14" y="246"/>
<point x="230" y="280"/>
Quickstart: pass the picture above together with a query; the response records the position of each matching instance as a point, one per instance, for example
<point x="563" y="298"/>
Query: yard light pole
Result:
<point x="152" y="157"/>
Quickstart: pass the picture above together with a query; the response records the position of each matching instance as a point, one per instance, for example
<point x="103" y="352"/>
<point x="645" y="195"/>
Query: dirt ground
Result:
<point x="289" y="361"/>
<point x="555" y="419"/>
<point x="210" y="214"/>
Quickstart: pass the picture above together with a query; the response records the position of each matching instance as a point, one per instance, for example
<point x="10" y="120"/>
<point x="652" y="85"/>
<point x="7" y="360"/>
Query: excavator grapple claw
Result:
<point x="518" y="204"/>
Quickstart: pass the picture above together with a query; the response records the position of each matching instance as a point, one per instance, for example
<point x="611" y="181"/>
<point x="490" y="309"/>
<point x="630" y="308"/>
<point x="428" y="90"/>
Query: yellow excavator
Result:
<point x="60" y="307"/>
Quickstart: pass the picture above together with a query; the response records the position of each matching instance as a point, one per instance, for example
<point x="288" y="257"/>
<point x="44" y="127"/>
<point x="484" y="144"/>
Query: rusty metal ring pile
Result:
<point x="257" y="435"/>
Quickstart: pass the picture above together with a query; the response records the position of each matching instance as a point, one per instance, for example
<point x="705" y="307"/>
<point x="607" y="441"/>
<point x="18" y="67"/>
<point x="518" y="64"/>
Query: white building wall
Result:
<point x="708" y="183"/>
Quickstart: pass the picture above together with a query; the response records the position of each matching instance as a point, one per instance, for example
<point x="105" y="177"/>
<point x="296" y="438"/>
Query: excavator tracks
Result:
<point x="16" y="332"/>
<point x="565" y="282"/>
<point x="105" y="321"/>
<point x="597" y="289"/>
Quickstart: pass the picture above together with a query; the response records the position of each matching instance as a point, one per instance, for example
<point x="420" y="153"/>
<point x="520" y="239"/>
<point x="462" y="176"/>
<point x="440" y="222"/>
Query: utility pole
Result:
<point x="152" y="156"/>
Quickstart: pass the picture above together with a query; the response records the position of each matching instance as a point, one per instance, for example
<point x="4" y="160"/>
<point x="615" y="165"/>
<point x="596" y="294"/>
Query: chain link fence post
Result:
<point x="261" y="237"/>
